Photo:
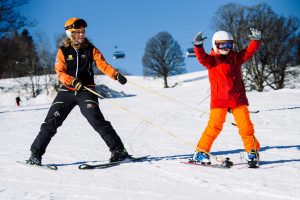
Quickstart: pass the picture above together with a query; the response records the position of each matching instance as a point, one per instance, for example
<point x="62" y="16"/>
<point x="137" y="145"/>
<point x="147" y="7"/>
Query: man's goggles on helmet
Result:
<point x="225" y="45"/>
<point x="77" y="25"/>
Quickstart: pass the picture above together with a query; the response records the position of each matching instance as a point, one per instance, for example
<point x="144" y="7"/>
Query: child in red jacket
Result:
<point x="227" y="92"/>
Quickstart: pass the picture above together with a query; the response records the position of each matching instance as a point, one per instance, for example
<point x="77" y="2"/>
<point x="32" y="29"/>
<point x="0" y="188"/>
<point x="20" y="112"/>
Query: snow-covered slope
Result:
<point x="165" y="123"/>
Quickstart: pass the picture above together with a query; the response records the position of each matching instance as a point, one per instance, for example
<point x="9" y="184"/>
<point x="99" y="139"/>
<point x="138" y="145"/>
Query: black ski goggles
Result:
<point x="225" y="45"/>
<point x="80" y="23"/>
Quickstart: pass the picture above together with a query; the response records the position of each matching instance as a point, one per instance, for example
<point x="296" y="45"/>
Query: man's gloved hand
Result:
<point x="199" y="40"/>
<point x="122" y="79"/>
<point x="256" y="34"/>
<point x="76" y="84"/>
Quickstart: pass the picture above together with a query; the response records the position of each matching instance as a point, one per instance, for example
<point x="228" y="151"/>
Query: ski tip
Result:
<point x="47" y="166"/>
<point x="53" y="167"/>
<point x="83" y="166"/>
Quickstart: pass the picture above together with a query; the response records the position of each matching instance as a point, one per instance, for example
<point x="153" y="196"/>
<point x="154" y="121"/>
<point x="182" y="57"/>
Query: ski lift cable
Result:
<point x="175" y="100"/>
<point x="142" y="118"/>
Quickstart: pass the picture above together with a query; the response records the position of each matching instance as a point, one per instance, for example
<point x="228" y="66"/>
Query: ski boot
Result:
<point x="201" y="157"/>
<point x="34" y="159"/>
<point x="253" y="159"/>
<point x="119" y="154"/>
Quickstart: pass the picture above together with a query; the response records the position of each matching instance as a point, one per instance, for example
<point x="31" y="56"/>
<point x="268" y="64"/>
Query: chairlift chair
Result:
<point x="118" y="54"/>
<point x="190" y="53"/>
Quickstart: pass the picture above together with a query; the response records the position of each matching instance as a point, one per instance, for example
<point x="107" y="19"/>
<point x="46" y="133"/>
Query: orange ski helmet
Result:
<point x="74" y="23"/>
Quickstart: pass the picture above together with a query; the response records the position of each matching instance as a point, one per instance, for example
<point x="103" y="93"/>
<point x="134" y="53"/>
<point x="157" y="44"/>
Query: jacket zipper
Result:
<point x="77" y="63"/>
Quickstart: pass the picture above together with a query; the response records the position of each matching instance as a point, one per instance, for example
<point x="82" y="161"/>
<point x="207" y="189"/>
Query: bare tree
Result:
<point x="31" y="63"/>
<point x="273" y="62"/>
<point x="229" y="18"/>
<point x="59" y="39"/>
<point x="46" y="59"/>
<point x="163" y="57"/>
<point x="10" y="41"/>
<point x="10" y="20"/>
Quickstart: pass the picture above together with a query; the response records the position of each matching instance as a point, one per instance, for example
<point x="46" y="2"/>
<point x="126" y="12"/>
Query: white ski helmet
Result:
<point x="220" y="36"/>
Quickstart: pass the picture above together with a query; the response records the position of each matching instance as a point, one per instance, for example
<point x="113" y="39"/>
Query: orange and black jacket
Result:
<point x="71" y="63"/>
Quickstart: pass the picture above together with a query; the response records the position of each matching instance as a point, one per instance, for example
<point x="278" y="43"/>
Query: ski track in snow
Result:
<point x="165" y="123"/>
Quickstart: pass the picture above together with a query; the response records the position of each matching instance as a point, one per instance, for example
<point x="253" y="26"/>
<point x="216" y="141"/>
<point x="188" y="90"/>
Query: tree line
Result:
<point x="21" y="55"/>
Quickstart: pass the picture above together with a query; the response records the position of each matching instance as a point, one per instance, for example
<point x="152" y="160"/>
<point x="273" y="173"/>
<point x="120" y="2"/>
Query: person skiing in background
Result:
<point x="227" y="92"/>
<point x="18" y="100"/>
<point x="73" y="67"/>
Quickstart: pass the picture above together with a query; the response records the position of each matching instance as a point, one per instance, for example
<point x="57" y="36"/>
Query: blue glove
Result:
<point x="256" y="34"/>
<point x="199" y="40"/>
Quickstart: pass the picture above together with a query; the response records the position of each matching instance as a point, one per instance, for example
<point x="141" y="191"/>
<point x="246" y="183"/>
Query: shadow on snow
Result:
<point x="187" y="156"/>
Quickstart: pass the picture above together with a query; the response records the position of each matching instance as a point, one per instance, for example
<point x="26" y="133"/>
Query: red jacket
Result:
<point x="225" y="76"/>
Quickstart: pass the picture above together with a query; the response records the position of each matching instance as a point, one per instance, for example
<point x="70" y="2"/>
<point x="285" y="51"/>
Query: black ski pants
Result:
<point x="62" y="105"/>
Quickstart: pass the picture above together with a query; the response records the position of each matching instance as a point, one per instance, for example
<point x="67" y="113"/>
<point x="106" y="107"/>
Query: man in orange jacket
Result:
<point x="227" y="92"/>
<point x="73" y="67"/>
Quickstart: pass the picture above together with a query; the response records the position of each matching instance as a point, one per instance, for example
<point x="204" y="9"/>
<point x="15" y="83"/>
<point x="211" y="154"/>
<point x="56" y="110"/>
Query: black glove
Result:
<point x="122" y="79"/>
<point x="77" y="84"/>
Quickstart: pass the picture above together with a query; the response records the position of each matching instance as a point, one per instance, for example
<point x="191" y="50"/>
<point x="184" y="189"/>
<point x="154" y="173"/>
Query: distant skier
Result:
<point x="74" y="70"/>
<point x="227" y="92"/>
<point x="18" y="100"/>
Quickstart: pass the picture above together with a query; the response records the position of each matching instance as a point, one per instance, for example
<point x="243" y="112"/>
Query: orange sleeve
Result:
<point x="102" y="65"/>
<point x="61" y="69"/>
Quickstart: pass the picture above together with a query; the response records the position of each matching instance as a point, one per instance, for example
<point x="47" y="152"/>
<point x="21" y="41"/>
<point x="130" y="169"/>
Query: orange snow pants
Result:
<point x="215" y="126"/>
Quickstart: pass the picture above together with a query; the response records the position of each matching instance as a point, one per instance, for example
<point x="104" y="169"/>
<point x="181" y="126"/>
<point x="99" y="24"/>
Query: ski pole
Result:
<point x="94" y="92"/>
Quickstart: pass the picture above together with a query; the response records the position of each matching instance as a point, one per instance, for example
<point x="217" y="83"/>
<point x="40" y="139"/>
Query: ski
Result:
<point x="47" y="166"/>
<point x="111" y="164"/>
<point x="226" y="164"/>
<point x="222" y="166"/>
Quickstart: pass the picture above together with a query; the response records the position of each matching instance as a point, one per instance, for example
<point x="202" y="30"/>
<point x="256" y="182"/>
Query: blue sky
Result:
<point x="129" y="24"/>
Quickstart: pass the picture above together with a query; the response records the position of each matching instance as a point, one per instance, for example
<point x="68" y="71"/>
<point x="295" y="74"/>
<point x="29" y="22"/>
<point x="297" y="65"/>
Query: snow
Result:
<point x="165" y="123"/>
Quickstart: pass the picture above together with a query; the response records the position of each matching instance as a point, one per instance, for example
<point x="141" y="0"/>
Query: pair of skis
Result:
<point x="221" y="165"/>
<point x="224" y="164"/>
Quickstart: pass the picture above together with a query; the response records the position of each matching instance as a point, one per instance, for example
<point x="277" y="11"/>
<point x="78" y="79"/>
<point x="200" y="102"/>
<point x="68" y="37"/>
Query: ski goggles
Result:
<point x="80" y="31"/>
<point x="225" y="45"/>
<point x="80" y="23"/>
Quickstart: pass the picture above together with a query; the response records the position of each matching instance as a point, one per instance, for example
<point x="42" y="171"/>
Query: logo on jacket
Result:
<point x="91" y="105"/>
<point x="70" y="57"/>
<point x="57" y="114"/>
<point x="83" y="56"/>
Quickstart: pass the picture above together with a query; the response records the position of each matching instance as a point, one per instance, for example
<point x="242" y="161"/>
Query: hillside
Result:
<point x="165" y="123"/>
